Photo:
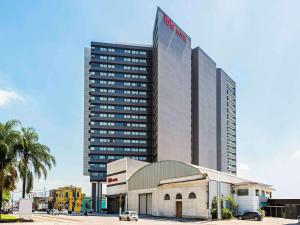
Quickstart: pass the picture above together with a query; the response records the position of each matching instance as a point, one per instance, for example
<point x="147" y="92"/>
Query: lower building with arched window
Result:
<point x="176" y="189"/>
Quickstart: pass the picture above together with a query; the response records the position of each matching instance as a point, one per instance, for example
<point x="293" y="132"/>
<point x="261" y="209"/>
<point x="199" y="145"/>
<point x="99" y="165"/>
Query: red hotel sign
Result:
<point x="172" y="25"/>
<point x="109" y="180"/>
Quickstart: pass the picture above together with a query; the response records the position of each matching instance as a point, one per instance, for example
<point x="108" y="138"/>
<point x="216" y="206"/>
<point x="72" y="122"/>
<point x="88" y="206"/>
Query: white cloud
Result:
<point x="8" y="96"/>
<point x="296" y="155"/>
<point x="242" y="166"/>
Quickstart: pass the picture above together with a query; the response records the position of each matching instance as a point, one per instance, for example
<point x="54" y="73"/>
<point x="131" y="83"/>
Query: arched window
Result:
<point x="192" y="195"/>
<point x="178" y="196"/>
<point x="167" y="197"/>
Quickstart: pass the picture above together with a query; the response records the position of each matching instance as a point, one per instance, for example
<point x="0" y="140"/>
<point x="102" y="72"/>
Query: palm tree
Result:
<point x="34" y="158"/>
<point x="8" y="174"/>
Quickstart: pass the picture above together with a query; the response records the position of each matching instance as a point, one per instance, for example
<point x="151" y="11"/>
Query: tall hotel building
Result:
<point x="166" y="101"/>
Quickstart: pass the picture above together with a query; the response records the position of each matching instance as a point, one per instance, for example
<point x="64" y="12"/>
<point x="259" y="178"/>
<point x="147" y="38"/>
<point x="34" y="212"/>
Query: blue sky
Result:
<point x="255" y="42"/>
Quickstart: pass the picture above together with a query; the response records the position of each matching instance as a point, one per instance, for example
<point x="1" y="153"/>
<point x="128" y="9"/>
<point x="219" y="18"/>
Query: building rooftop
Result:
<point x="171" y="171"/>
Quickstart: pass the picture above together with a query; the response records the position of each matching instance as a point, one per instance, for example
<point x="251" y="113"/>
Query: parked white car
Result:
<point x="54" y="212"/>
<point x="64" y="211"/>
<point x="129" y="215"/>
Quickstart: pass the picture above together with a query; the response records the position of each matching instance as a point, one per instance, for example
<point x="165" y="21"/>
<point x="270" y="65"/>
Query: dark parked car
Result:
<point x="6" y="211"/>
<point x="250" y="216"/>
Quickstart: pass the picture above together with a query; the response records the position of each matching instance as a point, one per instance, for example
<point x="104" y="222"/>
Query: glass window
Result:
<point x="167" y="197"/>
<point x="243" y="192"/>
<point x="178" y="196"/>
<point x="192" y="195"/>
<point x="127" y="59"/>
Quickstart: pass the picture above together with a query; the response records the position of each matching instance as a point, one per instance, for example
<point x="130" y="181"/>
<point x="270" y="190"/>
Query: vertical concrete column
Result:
<point x="120" y="204"/>
<point x="126" y="202"/>
<point x="94" y="197"/>
<point x="99" y="197"/>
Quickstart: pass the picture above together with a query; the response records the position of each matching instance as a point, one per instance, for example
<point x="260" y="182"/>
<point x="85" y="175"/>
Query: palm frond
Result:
<point x="35" y="158"/>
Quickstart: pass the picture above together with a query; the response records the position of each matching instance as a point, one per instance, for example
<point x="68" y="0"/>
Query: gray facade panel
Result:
<point x="226" y="123"/>
<point x="173" y="80"/>
<point x="204" y="108"/>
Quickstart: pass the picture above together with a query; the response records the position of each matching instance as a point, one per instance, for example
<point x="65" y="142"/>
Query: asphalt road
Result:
<point x="44" y="219"/>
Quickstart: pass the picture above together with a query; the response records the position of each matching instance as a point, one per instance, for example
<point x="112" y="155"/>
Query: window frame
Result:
<point x="167" y="197"/>
<point x="243" y="194"/>
<point x="178" y="196"/>
<point x="192" y="195"/>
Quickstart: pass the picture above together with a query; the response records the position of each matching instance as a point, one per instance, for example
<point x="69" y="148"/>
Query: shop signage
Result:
<point x="109" y="180"/>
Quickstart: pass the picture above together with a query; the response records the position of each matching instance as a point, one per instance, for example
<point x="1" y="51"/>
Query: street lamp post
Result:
<point x="74" y="203"/>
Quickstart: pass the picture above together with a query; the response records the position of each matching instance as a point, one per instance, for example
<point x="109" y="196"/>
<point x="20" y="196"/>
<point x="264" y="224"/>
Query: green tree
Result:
<point x="231" y="204"/>
<point x="214" y="207"/>
<point x="8" y="174"/>
<point x="6" y="196"/>
<point x="34" y="158"/>
<point x="226" y="213"/>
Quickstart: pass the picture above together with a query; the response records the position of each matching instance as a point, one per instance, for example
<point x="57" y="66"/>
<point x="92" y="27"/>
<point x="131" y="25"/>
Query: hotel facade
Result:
<point x="167" y="101"/>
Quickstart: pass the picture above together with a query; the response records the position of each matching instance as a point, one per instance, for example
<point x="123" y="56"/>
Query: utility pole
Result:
<point x="12" y="201"/>
<point x="74" y="203"/>
<point x="44" y="206"/>
<point x="219" y="207"/>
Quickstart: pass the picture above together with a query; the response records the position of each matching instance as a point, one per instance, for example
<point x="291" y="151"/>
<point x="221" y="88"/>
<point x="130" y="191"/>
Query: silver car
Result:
<point x="298" y="219"/>
<point x="54" y="212"/>
<point x="129" y="215"/>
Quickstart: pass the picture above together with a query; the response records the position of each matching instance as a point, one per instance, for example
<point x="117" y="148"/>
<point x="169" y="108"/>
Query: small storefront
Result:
<point x="115" y="202"/>
<point x="118" y="173"/>
<point x="284" y="208"/>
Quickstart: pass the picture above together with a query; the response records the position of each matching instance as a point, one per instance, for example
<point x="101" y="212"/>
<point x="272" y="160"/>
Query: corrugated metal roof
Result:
<point x="150" y="175"/>
<point x="226" y="177"/>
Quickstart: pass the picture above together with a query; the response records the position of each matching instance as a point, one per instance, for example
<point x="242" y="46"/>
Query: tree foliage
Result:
<point x="226" y="214"/>
<point x="231" y="204"/>
<point x="228" y="211"/>
<point x="35" y="158"/>
<point x="8" y="174"/>
<point x="21" y="155"/>
<point x="214" y="207"/>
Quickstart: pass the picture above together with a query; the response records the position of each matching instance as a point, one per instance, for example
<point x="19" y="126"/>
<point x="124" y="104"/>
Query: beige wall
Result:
<point x="133" y="198"/>
<point x="129" y="166"/>
<point x="115" y="167"/>
<point x="191" y="208"/>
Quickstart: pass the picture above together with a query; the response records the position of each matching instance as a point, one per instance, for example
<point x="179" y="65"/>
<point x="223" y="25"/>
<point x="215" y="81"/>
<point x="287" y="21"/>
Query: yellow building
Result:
<point x="69" y="198"/>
